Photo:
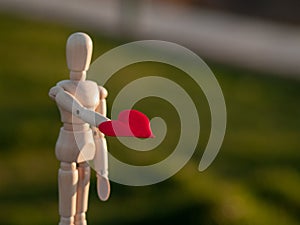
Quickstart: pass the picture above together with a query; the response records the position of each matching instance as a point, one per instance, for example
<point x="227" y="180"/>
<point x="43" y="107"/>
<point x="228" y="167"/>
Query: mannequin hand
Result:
<point x="103" y="187"/>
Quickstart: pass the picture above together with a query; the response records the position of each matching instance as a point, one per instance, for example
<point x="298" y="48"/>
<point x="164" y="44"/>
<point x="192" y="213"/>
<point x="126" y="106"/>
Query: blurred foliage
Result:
<point x="254" y="180"/>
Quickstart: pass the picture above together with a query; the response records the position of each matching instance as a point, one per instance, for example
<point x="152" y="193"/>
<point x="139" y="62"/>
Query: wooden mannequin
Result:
<point x="79" y="140"/>
<point x="82" y="106"/>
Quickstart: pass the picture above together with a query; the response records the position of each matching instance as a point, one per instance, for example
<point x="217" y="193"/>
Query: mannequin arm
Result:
<point x="69" y="103"/>
<point x="101" y="157"/>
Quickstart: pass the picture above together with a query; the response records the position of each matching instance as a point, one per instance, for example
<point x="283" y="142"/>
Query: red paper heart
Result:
<point x="130" y="123"/>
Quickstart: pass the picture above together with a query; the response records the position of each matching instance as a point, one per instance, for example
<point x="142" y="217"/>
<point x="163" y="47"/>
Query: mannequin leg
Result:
<point x="82" y="193"/>
<point x="67" y="182"/>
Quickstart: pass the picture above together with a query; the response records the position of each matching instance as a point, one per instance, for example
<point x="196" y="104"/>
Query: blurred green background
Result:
<point x="254" y="180"/>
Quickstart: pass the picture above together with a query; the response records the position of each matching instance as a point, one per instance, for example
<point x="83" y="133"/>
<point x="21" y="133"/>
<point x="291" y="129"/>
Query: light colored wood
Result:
<point x="64" y="93"/>
<point x="101" y="166"/>
<point x="82" y="193"/>
<point x="82" y="108"/>
<point x="75" y="146"/>
<point x="103" y="187"/>
<point x="67" y="181"/>
<point x="79" y="53"/>
<point x="101" y="158"/>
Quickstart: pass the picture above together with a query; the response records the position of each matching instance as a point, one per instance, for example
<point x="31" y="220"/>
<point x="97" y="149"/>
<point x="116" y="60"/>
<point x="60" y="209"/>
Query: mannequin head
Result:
<point x="79" y="53"/>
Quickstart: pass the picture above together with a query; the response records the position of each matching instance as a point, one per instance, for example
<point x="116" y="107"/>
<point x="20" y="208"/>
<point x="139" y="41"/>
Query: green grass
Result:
<point x="254" y="180"/>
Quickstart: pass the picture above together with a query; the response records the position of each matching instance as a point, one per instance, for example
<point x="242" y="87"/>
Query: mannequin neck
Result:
<point x="78" y="75"/>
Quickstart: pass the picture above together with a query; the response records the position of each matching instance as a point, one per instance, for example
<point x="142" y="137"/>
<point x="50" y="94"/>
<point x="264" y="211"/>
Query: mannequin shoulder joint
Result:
<point x="102" y="92"/>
